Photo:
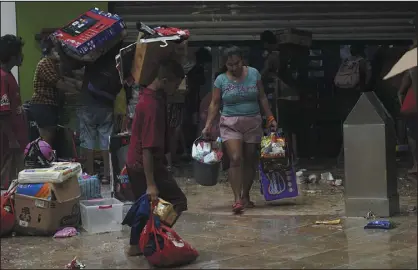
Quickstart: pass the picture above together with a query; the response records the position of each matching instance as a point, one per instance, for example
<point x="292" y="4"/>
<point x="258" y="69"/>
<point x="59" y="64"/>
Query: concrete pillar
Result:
<point x="370" y="159"/>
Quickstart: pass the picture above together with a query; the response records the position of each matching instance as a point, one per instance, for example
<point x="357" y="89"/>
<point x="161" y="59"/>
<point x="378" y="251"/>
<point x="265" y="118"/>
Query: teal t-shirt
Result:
<point x="239" y="99"/>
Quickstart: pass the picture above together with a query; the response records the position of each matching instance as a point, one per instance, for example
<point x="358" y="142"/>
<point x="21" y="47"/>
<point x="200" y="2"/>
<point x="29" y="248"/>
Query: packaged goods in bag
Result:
<point x="207" y="152"/>
<point x="273" y="146"/>
<point x="163" y="247"/>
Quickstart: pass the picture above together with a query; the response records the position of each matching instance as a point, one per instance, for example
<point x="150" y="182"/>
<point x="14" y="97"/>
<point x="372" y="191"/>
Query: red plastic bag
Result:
<point x="163" y="247"/>
<point x="409" y="105"/>
<point x="7" y="212"/>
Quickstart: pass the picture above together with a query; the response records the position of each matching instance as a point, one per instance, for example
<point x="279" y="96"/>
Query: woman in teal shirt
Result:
<point x="241" y="92"/>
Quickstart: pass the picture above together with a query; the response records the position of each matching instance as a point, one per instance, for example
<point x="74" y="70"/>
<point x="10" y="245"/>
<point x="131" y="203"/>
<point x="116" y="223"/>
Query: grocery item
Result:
<point x="57" y="173"/>
<point x="91" y="35"/>
<point x="207" y="152"/>
<point x="166" y="212"/>
<point x="89" y="186"/>
<point x="273" y="146"/>
<point x="380" y="224"/>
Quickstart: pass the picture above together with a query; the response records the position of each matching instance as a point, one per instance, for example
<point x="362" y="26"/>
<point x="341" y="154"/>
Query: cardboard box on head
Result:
<point x="43" y="215"/>
<point x="148" y="57"/>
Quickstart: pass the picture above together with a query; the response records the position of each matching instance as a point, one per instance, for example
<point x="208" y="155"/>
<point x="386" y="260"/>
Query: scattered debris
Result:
<point x="328" y="222"/>
<point x="412" y="209"/>
<point x="380" y="224"/>
<point x="313" y="178"/>
<point x="338" y="182"/>
<point x="75" y="264"/>
<point x="370" y="215"/>
<point x="327" y="176"/>
<point x="66" y="232"/>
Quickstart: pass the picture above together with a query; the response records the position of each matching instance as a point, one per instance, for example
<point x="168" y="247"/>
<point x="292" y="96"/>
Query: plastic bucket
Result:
<point x="206" y="174"/>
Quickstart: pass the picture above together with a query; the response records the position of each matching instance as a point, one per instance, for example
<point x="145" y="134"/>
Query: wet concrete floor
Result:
<point x="280" y="235"/>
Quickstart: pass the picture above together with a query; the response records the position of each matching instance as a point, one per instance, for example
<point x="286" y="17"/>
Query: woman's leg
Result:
<point x="250" y="158"/>
<point x="235" y="177"/>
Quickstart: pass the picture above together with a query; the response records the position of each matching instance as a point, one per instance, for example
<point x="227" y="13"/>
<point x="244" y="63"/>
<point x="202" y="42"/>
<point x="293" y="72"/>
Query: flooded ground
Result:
<point x="280" y="235"/>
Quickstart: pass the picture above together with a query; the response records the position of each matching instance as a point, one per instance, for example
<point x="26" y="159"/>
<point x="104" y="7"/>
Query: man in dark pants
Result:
<point x="146" y="163"/>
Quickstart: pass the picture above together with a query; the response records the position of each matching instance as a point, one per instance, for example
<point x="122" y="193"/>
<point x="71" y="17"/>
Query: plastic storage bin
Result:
<point x="101" y="215"/>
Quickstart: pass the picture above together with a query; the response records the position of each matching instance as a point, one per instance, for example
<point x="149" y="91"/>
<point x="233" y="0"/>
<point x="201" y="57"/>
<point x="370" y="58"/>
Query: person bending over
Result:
<point x="49" y="87"/>
<point x="146" y="164"/>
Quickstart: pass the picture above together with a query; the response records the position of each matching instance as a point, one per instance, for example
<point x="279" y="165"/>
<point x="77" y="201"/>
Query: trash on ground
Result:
<point x="313" y="178"/>
<point x="75" y="264"/>
<point x="380" y="224"/>
<point x="300" y="178"/>
<point x="328" y="222"/>
<point x="370" y="215"/>
<point x="338" y="182"/>
<point x="66" y="232"/>
<point x="412" y="208"/>
<point x="327" y="176"/>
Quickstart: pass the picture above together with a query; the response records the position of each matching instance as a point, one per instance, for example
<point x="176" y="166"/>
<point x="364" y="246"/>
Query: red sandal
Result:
<point x="237" y="207"/>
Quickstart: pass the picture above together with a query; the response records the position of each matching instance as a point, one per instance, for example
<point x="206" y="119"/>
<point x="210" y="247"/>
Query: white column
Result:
<point x="8" y="24"/>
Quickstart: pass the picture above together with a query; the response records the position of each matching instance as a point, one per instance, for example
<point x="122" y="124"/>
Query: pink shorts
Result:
<point x="245" y="128"/>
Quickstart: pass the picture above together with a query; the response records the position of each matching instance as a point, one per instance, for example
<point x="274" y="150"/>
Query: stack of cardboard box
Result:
<point x="48" y="199"/>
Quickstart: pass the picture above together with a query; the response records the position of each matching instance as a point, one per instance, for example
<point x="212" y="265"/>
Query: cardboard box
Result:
<point x="294" y="36"/>
<point x="37" y="216"/>
<point x="148" y="57"/>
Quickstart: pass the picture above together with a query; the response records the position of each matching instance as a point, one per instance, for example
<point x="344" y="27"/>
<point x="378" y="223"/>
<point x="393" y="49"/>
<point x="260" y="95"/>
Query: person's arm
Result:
<point x="271" y="64"/>
<point x="48" y="73"/>
<point x="405" y="85"/>
<point x="213" y="107"/>
<point x="263" y="101"/>
<point x="5" y="113"/>
<point x="151" y="126"/>
<point x="148" y="158"/>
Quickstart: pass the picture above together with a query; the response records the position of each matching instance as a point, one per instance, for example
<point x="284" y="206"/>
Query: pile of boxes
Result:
<point x="48" y="199"/>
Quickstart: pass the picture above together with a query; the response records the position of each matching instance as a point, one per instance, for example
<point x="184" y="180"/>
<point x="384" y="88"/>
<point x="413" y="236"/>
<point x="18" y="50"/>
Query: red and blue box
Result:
<point x="91" y="35"/>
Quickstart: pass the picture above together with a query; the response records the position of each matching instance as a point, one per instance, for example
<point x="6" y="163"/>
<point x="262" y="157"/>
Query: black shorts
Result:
<point x="167" y="187"/>
<point x="44" y="115"/>
<point x="166" y="184"/>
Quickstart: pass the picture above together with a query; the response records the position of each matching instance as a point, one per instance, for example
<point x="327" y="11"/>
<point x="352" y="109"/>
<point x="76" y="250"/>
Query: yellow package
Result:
<point x="166" y="212"/>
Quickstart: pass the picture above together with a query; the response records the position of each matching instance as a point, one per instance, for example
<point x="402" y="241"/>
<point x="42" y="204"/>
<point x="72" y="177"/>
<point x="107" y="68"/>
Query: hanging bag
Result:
<point x="162" y="246"/>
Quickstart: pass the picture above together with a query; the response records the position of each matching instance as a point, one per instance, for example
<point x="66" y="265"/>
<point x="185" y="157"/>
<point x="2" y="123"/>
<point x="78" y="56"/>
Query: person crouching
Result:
<point x="146" y="162"/>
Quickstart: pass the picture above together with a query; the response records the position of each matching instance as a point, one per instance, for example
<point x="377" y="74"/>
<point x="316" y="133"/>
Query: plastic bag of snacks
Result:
<point x="273" y="146"/>
<point x="207" y="152"/>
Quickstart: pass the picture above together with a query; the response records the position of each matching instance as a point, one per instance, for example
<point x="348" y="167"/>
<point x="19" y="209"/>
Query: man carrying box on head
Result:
<point x="146" y="163"/>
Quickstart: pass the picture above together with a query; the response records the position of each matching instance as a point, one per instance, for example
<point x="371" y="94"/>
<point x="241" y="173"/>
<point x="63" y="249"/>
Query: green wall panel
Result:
<point x="31" y="17"/>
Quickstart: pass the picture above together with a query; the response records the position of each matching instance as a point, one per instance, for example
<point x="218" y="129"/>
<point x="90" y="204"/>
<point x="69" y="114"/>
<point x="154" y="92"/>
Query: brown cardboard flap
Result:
<point x="66" y="191"/>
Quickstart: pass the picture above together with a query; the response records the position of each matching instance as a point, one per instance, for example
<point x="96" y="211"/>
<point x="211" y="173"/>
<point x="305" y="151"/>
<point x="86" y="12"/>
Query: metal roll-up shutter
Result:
<point x="242" y="21"/>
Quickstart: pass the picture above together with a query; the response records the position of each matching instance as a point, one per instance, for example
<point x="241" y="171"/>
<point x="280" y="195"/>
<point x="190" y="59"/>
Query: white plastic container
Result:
<point x="101" y="215"/>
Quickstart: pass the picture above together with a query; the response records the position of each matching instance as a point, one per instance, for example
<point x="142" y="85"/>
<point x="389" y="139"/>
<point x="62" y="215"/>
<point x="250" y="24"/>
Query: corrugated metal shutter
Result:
<point x="229" y="21"/>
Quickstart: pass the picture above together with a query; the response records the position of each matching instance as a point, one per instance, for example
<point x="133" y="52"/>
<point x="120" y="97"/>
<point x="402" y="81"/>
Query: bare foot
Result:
<point x="133" y="251"/>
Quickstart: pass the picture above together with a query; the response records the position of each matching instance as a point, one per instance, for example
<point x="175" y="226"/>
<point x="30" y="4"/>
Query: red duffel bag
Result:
<point x="163" y="247"/>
